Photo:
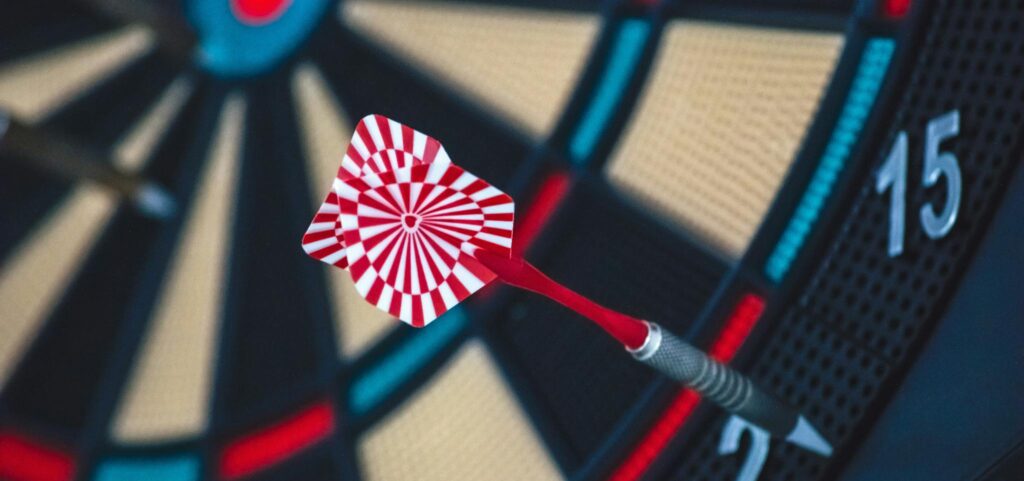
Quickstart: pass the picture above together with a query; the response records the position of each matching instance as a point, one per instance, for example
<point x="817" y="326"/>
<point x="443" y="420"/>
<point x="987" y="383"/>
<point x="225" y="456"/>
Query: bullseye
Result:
<point x="240" y="38"/>
<point x="259" y="12"/>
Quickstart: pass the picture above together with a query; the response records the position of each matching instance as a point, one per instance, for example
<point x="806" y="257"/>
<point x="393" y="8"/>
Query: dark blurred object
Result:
<point x="56" y="154"/>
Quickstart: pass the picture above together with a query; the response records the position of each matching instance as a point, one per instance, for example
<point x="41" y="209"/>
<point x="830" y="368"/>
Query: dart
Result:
<point x="418" y="234"/>
<point x="55" y="154"/>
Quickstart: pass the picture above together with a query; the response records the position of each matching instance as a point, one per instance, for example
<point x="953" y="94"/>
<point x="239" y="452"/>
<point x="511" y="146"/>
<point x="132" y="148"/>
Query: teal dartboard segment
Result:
<point x="172" y="468"/>
<point x="624" y="56"/>
<point x="231" y="45"/>
<point x="374" y="384"/>
<point x="867" y="81"/>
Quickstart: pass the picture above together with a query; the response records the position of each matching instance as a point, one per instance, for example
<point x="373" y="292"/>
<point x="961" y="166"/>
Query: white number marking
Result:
<point x="730" y="443"/>
<point x="936" y="165"/>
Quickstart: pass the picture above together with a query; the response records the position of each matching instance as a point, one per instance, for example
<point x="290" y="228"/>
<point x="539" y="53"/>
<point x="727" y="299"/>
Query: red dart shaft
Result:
<point x="630" y="331"/>
<point x="671" y="356"/>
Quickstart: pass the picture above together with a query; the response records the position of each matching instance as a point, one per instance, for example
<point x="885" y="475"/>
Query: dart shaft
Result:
<point x="55" y="154"/>
<point x="59" y="156"/>
<point x="720" y="384"/>
<point x="671" y="356"/>
<point x="515" y="271"/>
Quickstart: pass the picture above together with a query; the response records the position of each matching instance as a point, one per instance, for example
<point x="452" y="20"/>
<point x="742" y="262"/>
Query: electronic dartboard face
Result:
<point x="825" y="195"/>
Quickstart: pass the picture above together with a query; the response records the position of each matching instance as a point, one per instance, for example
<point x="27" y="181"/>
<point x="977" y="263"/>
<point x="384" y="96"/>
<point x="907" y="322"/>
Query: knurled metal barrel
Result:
<point x="715" y="381"/>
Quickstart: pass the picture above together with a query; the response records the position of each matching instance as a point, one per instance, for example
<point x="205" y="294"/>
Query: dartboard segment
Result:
<point x="378" y="144"/>
<point x="411" y="234"/>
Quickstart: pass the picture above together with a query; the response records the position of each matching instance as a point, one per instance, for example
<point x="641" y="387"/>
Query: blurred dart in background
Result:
<point x="418" y="234"/>
<point x="59" y="155"/>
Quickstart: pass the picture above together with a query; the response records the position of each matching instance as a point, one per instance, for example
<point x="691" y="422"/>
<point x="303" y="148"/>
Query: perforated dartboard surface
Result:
<point x="709" y="165"/>
<point x="850" y="332"/>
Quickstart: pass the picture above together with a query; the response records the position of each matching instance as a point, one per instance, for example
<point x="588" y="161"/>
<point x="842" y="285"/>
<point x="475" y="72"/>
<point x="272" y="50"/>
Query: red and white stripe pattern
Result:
<point x="378" y="145"/>
<point x="410" y="234"/>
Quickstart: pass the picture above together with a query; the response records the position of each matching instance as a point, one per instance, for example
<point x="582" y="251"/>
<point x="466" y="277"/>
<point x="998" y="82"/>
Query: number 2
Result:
<point x="936" y="164"/>
<point x="759" y="444"/>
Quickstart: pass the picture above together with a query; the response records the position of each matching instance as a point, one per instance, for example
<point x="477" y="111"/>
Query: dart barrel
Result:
<point x="718" y="383"/>
<point x="58" y="155"/>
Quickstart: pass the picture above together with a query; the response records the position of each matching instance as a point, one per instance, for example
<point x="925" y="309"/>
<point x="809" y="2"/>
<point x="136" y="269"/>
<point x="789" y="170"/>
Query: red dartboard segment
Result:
<point x="378" y="144"/>
<point x="411" y="233"/>
<point x="259" y="12"/>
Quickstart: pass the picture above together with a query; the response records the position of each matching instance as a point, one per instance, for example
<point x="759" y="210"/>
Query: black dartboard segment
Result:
<point x="279" y="347"/>
<point x="31" y="27"/>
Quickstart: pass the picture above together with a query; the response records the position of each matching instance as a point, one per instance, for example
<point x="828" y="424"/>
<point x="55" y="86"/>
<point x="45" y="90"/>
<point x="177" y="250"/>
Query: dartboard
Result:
<point x="823" y="194"/>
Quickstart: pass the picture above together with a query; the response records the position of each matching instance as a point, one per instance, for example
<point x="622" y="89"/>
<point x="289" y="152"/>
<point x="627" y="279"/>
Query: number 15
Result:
<point x="936" y="164"/>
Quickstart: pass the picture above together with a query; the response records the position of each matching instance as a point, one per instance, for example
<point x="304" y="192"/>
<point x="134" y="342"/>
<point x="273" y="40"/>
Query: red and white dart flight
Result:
<point x="419" y="234"/>
<point x="411" y="232"/>
<point x="405" y="221"/>
<point x="379" y="144"/>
